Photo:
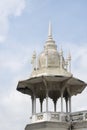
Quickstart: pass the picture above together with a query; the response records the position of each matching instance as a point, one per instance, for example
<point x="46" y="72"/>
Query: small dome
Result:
<point x="49" y="59"/>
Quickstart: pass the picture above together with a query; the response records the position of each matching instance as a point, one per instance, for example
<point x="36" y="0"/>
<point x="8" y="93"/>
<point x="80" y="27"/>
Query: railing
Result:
<point x="50" y="116"/>
<point x="79" y="116"/>
<point x="59" y="117"/>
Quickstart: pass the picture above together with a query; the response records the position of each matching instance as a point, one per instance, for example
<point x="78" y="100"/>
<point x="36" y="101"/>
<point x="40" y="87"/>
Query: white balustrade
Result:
<point x="79" y="116"/>
<point x="59" y="117"/>
<point x="50" y="116"/>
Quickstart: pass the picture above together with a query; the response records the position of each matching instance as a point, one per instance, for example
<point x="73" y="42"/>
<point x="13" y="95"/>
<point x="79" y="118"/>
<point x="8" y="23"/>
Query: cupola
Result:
<point x="50" y="61"/>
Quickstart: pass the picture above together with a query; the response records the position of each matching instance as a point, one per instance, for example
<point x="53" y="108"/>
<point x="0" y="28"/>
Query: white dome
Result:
<point x="50" y="61"/>
<point x="49" y="57"/>
<point x="53" y="59"/>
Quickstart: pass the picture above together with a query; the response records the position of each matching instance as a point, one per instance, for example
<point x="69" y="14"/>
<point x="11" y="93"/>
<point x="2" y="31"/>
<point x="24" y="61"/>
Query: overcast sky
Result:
<point x="23" y="29"/>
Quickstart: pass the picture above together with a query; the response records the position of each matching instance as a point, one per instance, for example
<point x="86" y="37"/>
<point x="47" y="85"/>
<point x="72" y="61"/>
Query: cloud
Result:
<point x="12" y="111"/>
<point x="12" y="60"/>
<point x="9" y="8"/>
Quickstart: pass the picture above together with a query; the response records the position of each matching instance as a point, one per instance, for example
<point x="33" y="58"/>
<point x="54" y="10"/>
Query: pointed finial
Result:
<point x="69" y="56"/>
<point x="66" y="64"/>
<point x="69" y="62"/>
<point x="33" y="61"/>
<point x="50" y="43"/>
<point x="61" y="57"/>
<point x="50" y="31"/>
<point x="61" y="51"/>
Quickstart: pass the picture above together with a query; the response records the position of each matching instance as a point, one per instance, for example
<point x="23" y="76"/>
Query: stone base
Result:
<point x="82" y="125"/>
<point x="48" y="126"/>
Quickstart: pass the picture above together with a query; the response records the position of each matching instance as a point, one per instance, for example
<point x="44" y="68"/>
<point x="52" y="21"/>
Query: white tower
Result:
<point x="52" y="80"/>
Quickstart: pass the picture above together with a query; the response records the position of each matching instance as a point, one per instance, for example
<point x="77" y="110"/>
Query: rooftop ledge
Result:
<point x="59" y="117"/>
<point x="50" y="71"/>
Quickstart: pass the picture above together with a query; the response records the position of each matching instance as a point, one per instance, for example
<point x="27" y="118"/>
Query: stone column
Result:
<point x="34" y="104"/>
<point x="70" y="104"/>
<point x="61" y="101"/>
<point x="32" y="98"/>
<point x="46" y="100"/>
<point x="41" y="104"/>
<point x="54" y="101"/>
<point x="66" y="99"/>
<point x="41" y="107"/>
<point x="55" y="106"/>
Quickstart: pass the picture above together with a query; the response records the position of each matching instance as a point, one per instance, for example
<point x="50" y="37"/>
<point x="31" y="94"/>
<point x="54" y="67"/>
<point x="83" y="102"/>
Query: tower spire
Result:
<point x="50" y="31"/>
<point x="50" y="43"/>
